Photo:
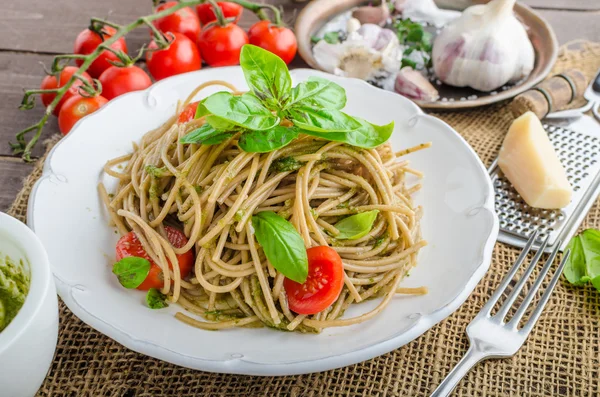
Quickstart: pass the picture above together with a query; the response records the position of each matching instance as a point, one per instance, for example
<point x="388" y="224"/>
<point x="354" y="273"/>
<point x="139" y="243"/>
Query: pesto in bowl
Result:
<point x="14" y="285"/>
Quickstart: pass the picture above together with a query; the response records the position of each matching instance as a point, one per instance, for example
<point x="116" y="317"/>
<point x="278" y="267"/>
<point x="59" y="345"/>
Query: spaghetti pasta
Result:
<point x="211" y="192"/>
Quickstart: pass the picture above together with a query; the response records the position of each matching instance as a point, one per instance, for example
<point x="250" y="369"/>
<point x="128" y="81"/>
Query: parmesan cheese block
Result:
<point x="528" y="160"/>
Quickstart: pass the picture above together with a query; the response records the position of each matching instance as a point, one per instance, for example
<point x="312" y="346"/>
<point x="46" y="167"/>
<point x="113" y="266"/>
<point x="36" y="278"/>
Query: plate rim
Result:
<point x="246" y="367"/>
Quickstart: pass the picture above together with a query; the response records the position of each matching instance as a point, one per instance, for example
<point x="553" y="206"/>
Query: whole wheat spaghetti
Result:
<point x="211" y="193"/>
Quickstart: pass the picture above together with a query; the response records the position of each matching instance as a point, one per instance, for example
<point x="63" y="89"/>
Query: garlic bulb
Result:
<point x="425" y="11"/>
<point x="485" y="48"/>
<point x="368" y="53"/>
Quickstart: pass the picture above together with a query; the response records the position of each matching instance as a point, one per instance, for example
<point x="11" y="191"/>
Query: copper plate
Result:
<point x="318" y="12"/>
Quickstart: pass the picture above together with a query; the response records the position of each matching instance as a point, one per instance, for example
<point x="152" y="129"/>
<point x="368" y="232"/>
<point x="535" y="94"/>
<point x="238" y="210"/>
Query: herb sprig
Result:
<point x="314" y="107"/>
<point x="416" y="38"/>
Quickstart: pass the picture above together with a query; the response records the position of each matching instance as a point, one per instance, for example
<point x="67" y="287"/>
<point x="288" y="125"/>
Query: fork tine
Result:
<point x="519" y="286"/>
<point x="514" y="322"/>
<point x="487" y="308"/>
<point x="538" y="310"/>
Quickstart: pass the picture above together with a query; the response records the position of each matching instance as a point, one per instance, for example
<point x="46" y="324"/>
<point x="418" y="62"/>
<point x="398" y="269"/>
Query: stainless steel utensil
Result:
<point x="490" y="336"/>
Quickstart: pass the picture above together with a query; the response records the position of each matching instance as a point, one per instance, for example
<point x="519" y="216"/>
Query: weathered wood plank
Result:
<point x="572" y="25"/>
<point x="17" y="72"/>
<point x="51" y="26"/>
<point x="12" y="174"/>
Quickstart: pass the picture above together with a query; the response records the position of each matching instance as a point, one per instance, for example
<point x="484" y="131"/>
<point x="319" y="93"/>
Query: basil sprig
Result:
<point x="156" y="299"/>
<point x="283" y="245"/>
<point x="131" y="271"/>
<point x="583" y="265"/>
<point x="314" y="107"/>
<point x="356" y="226"/>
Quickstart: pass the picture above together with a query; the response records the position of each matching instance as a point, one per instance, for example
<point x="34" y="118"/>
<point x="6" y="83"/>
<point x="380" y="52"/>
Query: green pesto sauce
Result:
<point x="14" y="286"/>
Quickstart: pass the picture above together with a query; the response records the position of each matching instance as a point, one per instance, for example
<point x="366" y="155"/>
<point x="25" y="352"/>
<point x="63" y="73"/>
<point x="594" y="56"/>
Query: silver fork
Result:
<point x="490" y="336"/>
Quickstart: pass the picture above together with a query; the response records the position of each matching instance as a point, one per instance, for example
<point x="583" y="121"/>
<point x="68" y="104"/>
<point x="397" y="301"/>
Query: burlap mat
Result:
<point x="561" y="357"/>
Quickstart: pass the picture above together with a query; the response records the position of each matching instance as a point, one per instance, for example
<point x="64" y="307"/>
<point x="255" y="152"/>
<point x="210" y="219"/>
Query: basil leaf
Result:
<point x="219" y="123"/>
<point x="205" y="134"/>
<point x="201" y="111"/>
<point x="245" y="111"/>
<point x="131" y="271"/>
<point x="356" y="226"/>
<point x="575" y="270"/>
<point x="332" y="37"/>
<point x="156" y="299"/>
<point x="282" y="244"/>
<point x="267" y="140"/>
<point x="219" y="138"/>
<point x="266" y="74"/>
<point x="367" y="136"/>
<point x="590" y="242"/>
<point x="322" y="120"/>
<point x="318" y="92"/>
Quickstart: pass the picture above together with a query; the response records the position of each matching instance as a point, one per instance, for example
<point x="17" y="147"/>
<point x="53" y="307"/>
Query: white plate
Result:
<point x="66" y="213"/>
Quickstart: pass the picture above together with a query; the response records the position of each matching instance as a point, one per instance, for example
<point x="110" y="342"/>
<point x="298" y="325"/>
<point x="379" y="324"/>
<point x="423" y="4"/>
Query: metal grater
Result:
<point x="578" y="147"/>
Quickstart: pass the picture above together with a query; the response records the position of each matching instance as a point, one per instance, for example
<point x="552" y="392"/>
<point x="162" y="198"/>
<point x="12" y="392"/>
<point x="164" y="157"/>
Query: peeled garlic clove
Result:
<point x="369" y="14"/>
<point x="377" y="37"/>
<point x="425" y="11"/>
<point x="352" y="25"/>
<point x="485" y="48"/>
<point x="414" y="85"/>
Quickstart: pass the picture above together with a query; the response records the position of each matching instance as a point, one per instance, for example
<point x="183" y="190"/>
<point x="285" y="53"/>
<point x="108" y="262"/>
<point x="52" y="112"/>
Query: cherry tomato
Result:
<point x="51" y="82"/>
<point x="87" y="41"/>
<point x="188" y="113"/>
<point x="183" y="21"/>
<point x="182" y="56"/>
<point x="323" y="284"/>
<point x="230" y="10"/>
<point x="279" y="40"/>
<point x="76" y="108"/>
<point x="221" y="45"/>
<point x="130" y="245"/>
<point x="121" y="80"/>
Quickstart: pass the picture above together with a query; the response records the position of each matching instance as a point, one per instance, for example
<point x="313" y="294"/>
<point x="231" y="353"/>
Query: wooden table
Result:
<point x="33" y="31"/>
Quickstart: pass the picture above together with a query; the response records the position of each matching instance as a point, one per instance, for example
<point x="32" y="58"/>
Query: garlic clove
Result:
<point x="352" y="25"/>
<point x="414" y="85"/>
<point x="328" y="55"/>
<point x="425" y="11"/>
<point x="377" y="37"/>
<point x="375" y="15"/>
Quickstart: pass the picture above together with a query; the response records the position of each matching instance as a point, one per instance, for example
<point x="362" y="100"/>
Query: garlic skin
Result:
<point x="425" y="11"/>
<point x="414" y="85"/>
<point x="485" y="48"/>
<point x="368" y="53"/>
<point x="370" y="14"/>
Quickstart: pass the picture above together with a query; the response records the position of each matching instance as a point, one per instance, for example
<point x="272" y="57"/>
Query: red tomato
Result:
<point x="230" y="10"/>
<point x="188" y="113"/>
<point x="221" y="45"/>
<point x="279" y="40"/>
<point x="183" y="21"/>
<point x="87" y="41"/>
<point x="130" y="245"/>
<point x="51" y="82"/>
<point x="76" y="108"/>
<point x="121" y="80"/>
<point x="182" y="56"/>
<point x="323" y="284"/>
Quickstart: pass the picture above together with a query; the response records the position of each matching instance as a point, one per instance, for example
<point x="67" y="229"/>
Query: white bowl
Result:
<point x="27" y="344"/>
<point x="459" y="223"/>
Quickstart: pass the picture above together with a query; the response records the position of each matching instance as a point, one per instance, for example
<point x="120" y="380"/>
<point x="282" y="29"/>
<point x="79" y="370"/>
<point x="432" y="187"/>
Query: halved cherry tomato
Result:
<point x="230" y="10"/>
<point x="280" y="40"/>
<point x="182" y="56"/>
<point x="121" y="80"/>
<point x="76" y="108"/>
<point x="87" y="41"/>
<point x="130" y="245"/>
<point x="323" y="284"/>
<point x="184" y="21"/>
<point x="221" y="45"/>
<point x="188" y="113"/>
<point x="51" y="82"/>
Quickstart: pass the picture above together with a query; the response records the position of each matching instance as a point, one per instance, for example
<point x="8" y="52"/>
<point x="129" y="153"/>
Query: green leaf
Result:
<point x="131" y="271"/>
<point x="282" y="244"/>
<point x="219" y="138"/>
<point x="332" y="37"/>
<point x="202" y="135"/>
<point x="356" y="226"/>
<point x="575" y="267"/>
<point x="267" y="140"/>
<point x="317" y="92"/>
<point x="322" y="120"/>
<point x="590" y="242"/>
<point x="367" y="136"/>
<point x="266" y="74"/>
<point x="219" y="123"/>
<point x="156" y="299"/>
<point x="245" y="111"/>
<point x="408" y="62"/>
<point x="201" y="111"/>
<point x="315" y="39"/>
